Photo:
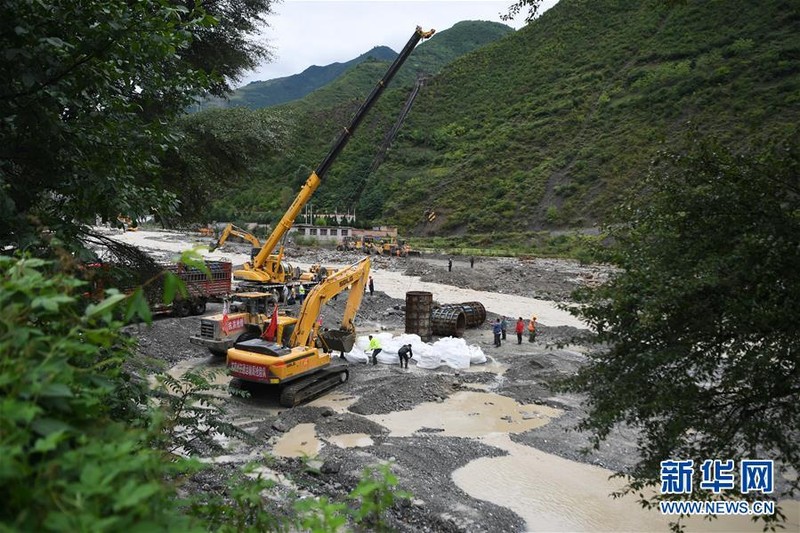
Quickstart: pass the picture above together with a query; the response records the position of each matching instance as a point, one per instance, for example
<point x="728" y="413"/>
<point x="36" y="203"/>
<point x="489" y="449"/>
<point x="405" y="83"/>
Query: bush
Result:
<point x="75" y="450"/>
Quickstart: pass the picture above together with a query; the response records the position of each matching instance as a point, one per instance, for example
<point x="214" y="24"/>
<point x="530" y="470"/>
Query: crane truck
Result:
<point x="267" y="270"/>
<point x="299" y="360"/>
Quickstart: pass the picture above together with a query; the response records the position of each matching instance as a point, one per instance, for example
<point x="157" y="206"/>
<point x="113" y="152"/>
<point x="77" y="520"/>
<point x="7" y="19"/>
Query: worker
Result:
<point x="405" y="354"/>
<point x="497" y="330"/>
<point x="371" y="286"/>
<point x="519" y="328"/>
<point x="532" y="329"/>
<point x="375" y="346"/>
<point x="301" y="293"/>
<point x="285" y="294"/>
<point x="503" y="327"/>
<point x="450" y="264"/>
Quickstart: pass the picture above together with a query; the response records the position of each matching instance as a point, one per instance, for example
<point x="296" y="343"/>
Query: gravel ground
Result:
<point x="425" y="461"/>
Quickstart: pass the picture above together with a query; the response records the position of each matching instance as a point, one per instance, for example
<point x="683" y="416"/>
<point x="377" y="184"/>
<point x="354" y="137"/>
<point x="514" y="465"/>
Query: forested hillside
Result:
<point x="549" y="126"/>
<point x="281" y="90"/>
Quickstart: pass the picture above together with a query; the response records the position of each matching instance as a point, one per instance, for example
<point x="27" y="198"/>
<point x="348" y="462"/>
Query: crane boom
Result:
<point x="266" y="265"/>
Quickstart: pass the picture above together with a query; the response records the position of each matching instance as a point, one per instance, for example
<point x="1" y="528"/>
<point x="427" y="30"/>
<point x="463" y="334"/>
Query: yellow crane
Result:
<point x="301" y="363"/>
<point x="266" y="267"/>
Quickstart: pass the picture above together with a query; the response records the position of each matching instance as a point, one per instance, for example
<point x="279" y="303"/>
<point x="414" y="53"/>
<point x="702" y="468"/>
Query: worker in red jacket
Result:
<point x="520" y="328"/>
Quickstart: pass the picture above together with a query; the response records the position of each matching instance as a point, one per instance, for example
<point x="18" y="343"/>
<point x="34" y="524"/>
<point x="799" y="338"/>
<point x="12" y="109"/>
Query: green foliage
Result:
<point x="376" y="493"/>
<point x="702" y="350"/>
<point x="321" y="515"/>
<point x="87" y="96"/>
<point x="218" y="150"/>
<point x="72" y="456"/>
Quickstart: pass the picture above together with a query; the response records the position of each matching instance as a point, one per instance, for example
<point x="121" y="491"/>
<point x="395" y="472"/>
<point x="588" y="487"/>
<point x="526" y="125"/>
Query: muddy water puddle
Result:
<point x="468" y="414"/>
<point x="337" y="401"/>
<point x="556" y="494"/>
<point x="300" y="441"/>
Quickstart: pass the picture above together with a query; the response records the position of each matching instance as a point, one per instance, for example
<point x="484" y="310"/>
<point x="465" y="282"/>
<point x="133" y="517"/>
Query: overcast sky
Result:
<point x="319" y="32"/>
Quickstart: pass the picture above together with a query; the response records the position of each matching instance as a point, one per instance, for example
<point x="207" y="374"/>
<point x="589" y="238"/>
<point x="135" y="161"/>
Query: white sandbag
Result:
<point x="453" y="351"/>
<point x="476" y="355"/>
<point x="427" y="359"/>
<point x="356" y="356"/>
<point x="388" y="358"/>
<point x="362" y="343"/>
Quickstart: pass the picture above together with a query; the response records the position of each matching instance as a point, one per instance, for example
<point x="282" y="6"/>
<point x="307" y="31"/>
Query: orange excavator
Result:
<point x="298" y="357"/>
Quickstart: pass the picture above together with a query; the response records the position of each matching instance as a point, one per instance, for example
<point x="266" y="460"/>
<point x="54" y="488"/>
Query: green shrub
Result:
<point x="75" y="450"/>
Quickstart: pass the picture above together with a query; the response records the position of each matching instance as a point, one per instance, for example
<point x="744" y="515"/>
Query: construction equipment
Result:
<point x="267" y="268"/>
<point x="128" y="224"/>
<point x="394" y="248"/>
<point x="248" y="315"/>
<point x="350" y="244"/>
<point x="229" y="230"/>
<point x="200" y="286"/>
<point x="300" y="363"/>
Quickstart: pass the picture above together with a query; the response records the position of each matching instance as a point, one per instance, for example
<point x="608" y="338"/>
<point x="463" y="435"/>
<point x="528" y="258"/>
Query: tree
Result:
<point x="703" y="348"/>
<point x="218" y="150"/>
<point x="517" y="7"/>
<point x="88" y="92"/>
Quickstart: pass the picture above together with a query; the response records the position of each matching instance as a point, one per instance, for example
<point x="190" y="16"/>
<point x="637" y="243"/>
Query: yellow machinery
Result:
<point x="267" y="267"/>
<point x="236" y="231"/>
<point x="250" y="313"/>
<point x="127" y="223"/>
<point x="301" y="362"/>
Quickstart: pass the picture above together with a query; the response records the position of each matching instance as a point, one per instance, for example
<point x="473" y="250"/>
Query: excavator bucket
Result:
<point x="337" y="339"/>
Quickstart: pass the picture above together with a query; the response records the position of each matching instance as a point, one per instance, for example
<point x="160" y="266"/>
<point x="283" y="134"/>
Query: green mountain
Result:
<point x="450" y="45"/>
<point x="281" y="90"/>
<point x="547" y="127"/>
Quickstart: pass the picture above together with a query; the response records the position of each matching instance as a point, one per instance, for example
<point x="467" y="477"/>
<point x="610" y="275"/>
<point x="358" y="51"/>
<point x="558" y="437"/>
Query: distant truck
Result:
<point x="200" y="288"/>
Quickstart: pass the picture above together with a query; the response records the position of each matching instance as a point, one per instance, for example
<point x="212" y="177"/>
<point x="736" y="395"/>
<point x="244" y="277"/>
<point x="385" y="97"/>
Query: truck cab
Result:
<point x="249" y="315"/>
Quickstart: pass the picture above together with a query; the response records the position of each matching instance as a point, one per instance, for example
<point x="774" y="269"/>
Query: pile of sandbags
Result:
<point x="450" y="351"/>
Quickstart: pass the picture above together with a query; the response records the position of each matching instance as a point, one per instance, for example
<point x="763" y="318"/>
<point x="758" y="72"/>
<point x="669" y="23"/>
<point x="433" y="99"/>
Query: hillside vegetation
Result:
<point x="281" y="90"/>
<point x="548" y="127"/>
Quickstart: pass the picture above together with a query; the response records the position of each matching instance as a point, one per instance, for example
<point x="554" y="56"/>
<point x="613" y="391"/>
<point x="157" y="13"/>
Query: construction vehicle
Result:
<point x="267" y="269"/>
<point x="394" y="248"/>
<point x="249" y="313"/>
<point x="300" y="362"/>
<point x="200" y="287"/>
<point x="236" y="231"/>
<point x="128" y="224"/>
<point x="350" y="244"/>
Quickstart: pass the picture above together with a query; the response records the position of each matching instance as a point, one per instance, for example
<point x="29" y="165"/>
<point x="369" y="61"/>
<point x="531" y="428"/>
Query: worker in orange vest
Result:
<point x="532" y="329"/>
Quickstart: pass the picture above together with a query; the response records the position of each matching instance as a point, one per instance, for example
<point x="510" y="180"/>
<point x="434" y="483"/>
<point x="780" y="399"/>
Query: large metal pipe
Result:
<point x="448" y="321"/>
<point x="418" y="314"/>
<point x="475" y="312"/>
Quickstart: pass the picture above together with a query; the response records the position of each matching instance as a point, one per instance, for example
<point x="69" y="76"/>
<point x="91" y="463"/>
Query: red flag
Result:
<point x="272" y="330"/>
<point x="225" y="309"/>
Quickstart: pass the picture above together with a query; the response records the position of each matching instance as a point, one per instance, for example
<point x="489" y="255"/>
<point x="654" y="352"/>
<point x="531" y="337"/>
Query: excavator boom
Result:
<point x="229" y="230"/>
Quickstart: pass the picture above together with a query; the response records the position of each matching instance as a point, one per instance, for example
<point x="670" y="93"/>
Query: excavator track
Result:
<point x="312" y="386"/>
